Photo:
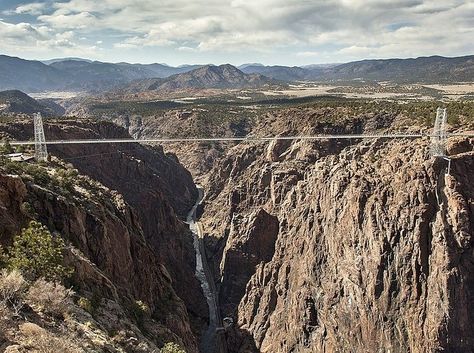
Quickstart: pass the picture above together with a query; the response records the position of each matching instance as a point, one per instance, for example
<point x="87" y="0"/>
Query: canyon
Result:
<point x="311" y="246"/>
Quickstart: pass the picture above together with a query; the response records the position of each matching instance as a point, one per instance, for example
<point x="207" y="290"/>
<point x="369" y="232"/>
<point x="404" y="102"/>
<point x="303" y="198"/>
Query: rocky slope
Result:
<point x="113" y="264"/>
<point x="130" y="243"/>
<point x="197" y="157"/>
<point x="14" y="102"/>
<point x="324" y="246"/>
<point x="357" y="246"/>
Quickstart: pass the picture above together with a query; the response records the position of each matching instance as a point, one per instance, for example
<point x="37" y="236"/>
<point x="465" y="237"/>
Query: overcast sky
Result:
<point x="287" y="32"/>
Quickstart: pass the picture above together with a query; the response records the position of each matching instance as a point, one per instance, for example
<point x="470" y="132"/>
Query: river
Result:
<point x="211" y="342"/>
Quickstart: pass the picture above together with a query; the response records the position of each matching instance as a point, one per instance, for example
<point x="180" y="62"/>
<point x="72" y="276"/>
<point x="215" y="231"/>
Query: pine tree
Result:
<point x="37" y="254"/>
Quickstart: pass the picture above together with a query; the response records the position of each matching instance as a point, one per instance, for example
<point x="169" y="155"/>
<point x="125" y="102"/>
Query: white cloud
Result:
<point x="188" y="49"/>
<point x="341" y="29"/>
<point x="19" y="31"/>
<point x="39" y="39"/>
<point x="61" y="20"/>
<point x="34" y="9"/>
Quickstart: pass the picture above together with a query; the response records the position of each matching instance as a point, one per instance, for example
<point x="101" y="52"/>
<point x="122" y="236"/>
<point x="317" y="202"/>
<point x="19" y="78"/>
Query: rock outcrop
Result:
<point x="362" y="246"/>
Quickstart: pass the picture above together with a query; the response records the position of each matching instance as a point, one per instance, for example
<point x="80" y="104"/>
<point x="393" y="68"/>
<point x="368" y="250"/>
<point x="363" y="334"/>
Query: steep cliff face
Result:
<point x="106" y="247"/>
<point x="340" y="248"/>
<point x="134" y="237"/>
<point x="152" y="182"/>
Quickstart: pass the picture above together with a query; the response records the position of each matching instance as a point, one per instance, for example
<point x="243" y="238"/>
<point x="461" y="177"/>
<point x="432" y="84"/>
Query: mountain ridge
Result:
<point x="209" y="76"/>
<point x="76" y="74"/>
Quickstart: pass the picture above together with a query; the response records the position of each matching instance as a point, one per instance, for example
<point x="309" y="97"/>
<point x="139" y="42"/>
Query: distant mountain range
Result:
<point x="283" y="73"/>
<point x="75" y="74"/>
<point x="52" y="61"/>
<point x="433" y="69"/>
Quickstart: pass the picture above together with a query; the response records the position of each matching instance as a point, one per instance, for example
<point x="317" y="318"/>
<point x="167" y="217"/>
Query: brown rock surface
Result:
<point x="107" y="247"/>
<point x="373" y="250"/>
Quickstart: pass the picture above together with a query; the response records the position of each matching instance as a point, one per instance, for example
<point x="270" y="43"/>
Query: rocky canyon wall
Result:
<point x="129" y="241"/>
<point x="362" y="246"/>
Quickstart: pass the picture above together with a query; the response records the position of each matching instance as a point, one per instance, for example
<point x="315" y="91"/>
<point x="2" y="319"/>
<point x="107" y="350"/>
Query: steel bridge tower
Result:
<point x="439" y="136"/>
<point x="41" y="152"/>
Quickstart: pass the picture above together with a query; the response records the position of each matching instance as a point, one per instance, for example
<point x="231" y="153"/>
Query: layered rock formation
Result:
<point x="358" y="246"/>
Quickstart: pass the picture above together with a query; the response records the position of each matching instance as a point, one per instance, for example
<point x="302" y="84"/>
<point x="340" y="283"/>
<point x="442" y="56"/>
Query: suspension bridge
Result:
<point x="438" y="137"/>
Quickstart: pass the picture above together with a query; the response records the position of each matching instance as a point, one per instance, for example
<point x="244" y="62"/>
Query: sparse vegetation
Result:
<point x="86" y="304"/>
<point x="51" y="298"/>
<point x="140" y="311"/>
<point x="171" y="347"/>
<point x="4" y="322"/>
<point x="67" y="178"/>
<point x="37" y="254"/>
<point x="6" y="148"/>
<point x="90" y="305"/>
<point x="37" y="339"/>
<point x="12" y="289"/>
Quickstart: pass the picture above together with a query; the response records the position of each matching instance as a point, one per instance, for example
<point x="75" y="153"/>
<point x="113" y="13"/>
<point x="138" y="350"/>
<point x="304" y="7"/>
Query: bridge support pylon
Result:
<point x="439" y="137"/>
<point x="41" y="152"/>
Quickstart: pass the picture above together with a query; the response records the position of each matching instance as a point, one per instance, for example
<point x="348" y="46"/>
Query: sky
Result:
<point x="272" y="32"/>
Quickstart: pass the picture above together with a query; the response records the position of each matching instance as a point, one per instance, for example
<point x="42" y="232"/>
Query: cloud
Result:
<point x="308" y="54"/>
<point x="295" y="29"/>
<point x="20" y="31"/>
<point x="187" y="49"/>
<point x="34" y="9"/>
<point x="61" y="20"/>
<point x="39" y="39"/>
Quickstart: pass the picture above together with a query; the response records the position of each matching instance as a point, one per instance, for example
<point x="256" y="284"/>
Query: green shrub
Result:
<point x="28" y="209"/>
<point x="140" y="311"/>
<point x="172" y="347"/>
<point x="40" y="175"/>
<point x="91" y="305"/>
<point x="37" y="254"/>
<point x="20" y="149"/>
<point x="67" y="179"/>
<point x="86" y="304"/>
<point x="13" y="167"/>
<point x="6" y="148"/>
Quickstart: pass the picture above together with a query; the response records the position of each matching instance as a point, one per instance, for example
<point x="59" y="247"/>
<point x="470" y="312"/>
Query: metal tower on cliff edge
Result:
<point x="41" y="152"/>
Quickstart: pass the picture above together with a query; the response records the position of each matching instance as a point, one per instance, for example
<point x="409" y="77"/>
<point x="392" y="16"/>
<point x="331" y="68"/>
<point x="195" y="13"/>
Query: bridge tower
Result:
<point x="41" y="152"/>
<point x="439" y="137"/>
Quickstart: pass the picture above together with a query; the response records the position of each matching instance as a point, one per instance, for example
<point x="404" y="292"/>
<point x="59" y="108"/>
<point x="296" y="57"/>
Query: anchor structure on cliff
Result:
<point x="41" y="152"/>
<point x="439" y="137"/>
